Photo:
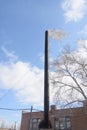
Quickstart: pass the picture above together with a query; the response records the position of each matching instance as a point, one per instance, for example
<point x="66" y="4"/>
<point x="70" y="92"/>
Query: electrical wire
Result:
<point x="20" y="109"/>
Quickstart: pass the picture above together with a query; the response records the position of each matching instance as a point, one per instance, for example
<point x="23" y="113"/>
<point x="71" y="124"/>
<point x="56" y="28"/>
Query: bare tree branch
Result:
<point x="70" y="76"/>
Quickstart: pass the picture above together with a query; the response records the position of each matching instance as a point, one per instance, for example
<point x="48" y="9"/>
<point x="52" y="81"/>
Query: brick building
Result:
<point x="61" y="119"/>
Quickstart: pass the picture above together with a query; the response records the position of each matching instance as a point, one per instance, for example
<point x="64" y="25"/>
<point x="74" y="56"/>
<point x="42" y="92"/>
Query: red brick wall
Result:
<point x="78" y="117"/>
<point x="26" y="117"/>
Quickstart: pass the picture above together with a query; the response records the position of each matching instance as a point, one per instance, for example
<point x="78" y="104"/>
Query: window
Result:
<point x="33" y="123"/>
<point x="56" y="124"/>
<point x="63" y="123"/>
<point x="68" y="122"/>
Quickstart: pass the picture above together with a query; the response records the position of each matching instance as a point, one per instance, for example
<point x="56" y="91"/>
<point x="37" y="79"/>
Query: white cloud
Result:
<point x="82" y="50"/>
<point x="82" y="42"/>
<point x="8" y="54"/>
<point x="84" y="30"/>
<point x="25" y="80"/>
<point x="74" y="9"/>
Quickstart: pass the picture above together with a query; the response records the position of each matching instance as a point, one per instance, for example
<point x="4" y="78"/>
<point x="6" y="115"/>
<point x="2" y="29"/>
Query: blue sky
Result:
<point x="22" y="29"/>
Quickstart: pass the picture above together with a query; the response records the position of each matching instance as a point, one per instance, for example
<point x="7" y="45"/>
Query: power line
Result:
<point x="20" y="109"/>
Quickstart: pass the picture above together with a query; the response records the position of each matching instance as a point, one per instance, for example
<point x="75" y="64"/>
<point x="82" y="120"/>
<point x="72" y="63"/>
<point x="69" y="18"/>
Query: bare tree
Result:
<point x="70" y="76"/>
